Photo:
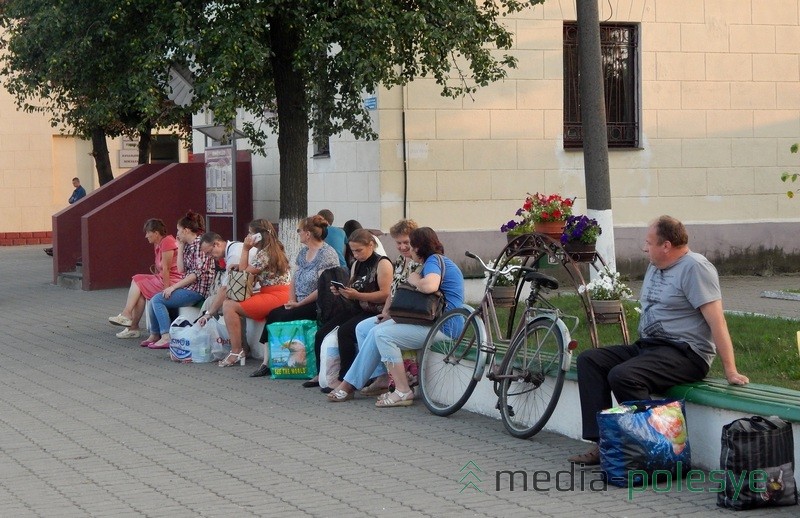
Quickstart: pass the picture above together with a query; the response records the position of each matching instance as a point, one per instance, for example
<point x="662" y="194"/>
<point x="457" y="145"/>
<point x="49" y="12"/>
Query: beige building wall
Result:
<point x="37" y="164"/>
<point x="720" y="107"/>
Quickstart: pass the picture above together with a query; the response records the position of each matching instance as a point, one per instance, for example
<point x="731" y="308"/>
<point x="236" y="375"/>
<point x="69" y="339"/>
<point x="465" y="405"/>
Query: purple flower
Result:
<point x="508" y="226"/>
<point x="580" y="228"/>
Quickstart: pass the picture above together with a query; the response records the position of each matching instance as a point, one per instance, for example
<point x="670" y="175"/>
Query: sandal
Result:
<point x="237" y="358"/>
<point x="396" y="398"/>
<point x="340" y="396"/>
<point x="373" y="390"/>
<point x="160" y="344"/>
<point x="385" y="394"/>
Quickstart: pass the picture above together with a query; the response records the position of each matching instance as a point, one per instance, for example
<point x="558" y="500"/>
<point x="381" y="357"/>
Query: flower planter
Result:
<point x="504" y="296"/>
<point x="552" y="229"/>
<point x="515" y="249"/>
<point x="607" y="311"/>
<point x="581" y="252"/>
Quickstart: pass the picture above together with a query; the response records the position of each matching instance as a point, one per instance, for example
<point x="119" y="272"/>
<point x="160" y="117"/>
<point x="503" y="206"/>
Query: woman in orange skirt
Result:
<point x="272" y="269"/>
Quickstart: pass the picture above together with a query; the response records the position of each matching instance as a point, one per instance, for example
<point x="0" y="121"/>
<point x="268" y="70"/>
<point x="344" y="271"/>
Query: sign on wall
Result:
<point x="219" y="180"/>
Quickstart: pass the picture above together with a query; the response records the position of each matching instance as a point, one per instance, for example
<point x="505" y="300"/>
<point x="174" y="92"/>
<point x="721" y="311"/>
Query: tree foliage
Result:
<point x="312" y="61"/>
<point x="104" y="64"/>
<point x="94" y="67"/>
<point x="343" y="49"/>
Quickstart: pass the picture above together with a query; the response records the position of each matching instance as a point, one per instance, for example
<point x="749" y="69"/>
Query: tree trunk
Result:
<point x="145" y="137"/>
<point x="102" y="161"/>
<point x="292" y="130"/>
<point x="595" y="136"/>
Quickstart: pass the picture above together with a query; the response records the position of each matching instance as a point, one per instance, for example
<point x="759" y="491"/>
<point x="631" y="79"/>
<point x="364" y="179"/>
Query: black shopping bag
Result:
<point x="758" y="458"/>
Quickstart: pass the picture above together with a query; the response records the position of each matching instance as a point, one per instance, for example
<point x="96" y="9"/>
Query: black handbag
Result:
<point x="411" y="306"/>
<point x="757" y="456"/>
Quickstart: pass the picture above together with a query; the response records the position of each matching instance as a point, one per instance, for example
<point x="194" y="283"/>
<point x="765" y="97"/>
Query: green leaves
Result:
<point x="790" y="177"/>
<point x="89" y="64"/>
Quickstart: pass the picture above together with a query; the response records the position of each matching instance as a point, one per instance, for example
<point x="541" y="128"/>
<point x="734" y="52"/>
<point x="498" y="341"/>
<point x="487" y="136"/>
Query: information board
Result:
<point x="219" y="180"/>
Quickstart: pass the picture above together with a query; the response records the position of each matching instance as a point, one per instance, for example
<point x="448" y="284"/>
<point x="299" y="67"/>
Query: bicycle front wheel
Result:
<point x="448" y="365"/>
<point x="532" y="378"/>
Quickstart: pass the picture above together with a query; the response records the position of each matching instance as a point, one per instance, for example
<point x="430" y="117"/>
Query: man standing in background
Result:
<point x="77" y="194"/>
<point x="79" y="191"/>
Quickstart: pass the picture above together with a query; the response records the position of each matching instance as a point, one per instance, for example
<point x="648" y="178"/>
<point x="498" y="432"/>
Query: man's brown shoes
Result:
<point x="590" y="458"/>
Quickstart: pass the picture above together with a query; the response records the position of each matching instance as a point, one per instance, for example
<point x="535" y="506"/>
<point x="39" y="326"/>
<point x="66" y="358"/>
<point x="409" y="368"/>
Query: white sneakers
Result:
<point x="127" y="333"/>
<point x="120" y="320"/>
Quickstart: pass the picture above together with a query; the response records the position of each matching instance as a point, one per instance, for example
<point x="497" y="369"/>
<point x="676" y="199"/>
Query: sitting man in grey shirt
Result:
<point x="681" y="329"/>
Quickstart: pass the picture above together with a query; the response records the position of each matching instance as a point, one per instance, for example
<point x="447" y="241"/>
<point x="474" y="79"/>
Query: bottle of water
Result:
<point x="201" y="351"/>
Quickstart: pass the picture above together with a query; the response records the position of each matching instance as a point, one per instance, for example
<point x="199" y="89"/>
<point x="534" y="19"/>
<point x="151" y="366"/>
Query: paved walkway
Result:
<point x="91" y="425"/>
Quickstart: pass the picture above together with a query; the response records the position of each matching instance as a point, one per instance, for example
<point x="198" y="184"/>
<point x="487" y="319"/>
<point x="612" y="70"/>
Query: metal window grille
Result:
<point x="619" y="47"/>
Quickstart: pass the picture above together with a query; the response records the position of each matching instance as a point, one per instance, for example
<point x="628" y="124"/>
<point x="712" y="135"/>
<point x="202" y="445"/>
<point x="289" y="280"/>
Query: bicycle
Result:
<point x="538" y="353"/>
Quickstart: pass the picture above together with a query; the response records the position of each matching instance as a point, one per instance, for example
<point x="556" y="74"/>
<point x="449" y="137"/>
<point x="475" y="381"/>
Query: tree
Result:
<point x="97" y="68"/>
<point x="311" y="61"/>
<point x="593" y="119"/>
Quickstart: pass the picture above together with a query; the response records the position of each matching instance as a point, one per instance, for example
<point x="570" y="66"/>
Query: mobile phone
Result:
<point x="256" y="238"/>
<point x="338" y="285"/>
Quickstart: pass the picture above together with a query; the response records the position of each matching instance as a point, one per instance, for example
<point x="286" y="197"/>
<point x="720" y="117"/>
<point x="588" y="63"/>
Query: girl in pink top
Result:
<point x="145" y="285"/>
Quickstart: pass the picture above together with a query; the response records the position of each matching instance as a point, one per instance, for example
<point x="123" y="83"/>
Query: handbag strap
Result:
<point x="441" y="267"/>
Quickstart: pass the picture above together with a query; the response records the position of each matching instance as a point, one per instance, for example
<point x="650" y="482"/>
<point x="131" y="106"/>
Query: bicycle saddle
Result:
<point x="545" y="281"/>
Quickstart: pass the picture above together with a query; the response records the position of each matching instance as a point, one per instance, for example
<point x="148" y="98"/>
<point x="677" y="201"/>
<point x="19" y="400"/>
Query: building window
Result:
<point x="619" y="47"/>
<point x="322" y="145"/>
<point x="164" y="149"/>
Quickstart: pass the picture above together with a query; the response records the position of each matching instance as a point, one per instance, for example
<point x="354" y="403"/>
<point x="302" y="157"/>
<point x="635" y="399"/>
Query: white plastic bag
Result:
<point x="222" y="344"/>
<point x="203" y="338"/>
<point x="180" y="336"/>
<point x="329" y="361"/>
<point x="253" y="330"/>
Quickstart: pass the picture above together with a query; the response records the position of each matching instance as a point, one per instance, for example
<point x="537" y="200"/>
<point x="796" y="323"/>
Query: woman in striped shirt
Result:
<point x="198" y="273"/>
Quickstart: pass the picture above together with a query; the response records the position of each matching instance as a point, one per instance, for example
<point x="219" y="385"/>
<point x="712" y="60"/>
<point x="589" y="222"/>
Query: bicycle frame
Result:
<point x="487" y="353"/>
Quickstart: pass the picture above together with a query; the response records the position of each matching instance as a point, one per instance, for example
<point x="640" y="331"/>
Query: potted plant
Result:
<point x="605" y="295"/>
<point x="505" y="286"/>
<point x="540" y="213"/>
<point x="580" y="238"/>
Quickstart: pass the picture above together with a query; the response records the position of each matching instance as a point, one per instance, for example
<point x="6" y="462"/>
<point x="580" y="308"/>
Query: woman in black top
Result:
<point x="367" y="289"/>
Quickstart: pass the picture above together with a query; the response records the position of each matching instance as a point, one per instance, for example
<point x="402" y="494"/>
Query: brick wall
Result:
<point x="26" y="238"/>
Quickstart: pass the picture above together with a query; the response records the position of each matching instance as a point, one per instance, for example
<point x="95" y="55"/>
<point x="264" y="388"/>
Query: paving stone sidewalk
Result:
<point x="91" y="425"/>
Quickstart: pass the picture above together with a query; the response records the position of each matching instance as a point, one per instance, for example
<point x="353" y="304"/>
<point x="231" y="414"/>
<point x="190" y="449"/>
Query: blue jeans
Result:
<point x="392" y="339"/>
<point x="368" y="362"/>
<point x="159" y="308"/>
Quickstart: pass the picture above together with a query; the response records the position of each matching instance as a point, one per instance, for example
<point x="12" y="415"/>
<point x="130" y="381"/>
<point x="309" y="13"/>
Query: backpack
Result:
<point x="329" y="304"/>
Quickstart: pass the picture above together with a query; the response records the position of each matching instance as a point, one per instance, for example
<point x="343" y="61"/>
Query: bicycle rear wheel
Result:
<point x="532" y="378"/>
<point x="448" y="365"/>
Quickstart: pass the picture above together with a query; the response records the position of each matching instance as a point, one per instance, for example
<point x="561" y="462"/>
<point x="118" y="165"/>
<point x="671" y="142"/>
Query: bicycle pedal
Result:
<point x="508" y="407"/>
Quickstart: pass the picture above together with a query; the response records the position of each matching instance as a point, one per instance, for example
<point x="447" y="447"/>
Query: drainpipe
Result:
<point x="405" y="156"/>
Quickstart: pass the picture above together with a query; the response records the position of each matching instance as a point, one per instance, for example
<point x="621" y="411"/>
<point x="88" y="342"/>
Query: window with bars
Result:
<point x="619" y="47"/>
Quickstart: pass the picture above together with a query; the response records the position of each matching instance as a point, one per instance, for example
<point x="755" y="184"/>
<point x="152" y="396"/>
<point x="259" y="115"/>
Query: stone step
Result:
<point x="70" y="280"/>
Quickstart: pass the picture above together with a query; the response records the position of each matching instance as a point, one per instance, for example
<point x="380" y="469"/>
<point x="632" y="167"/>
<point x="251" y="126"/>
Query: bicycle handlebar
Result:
<point x="496" y="271"/>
